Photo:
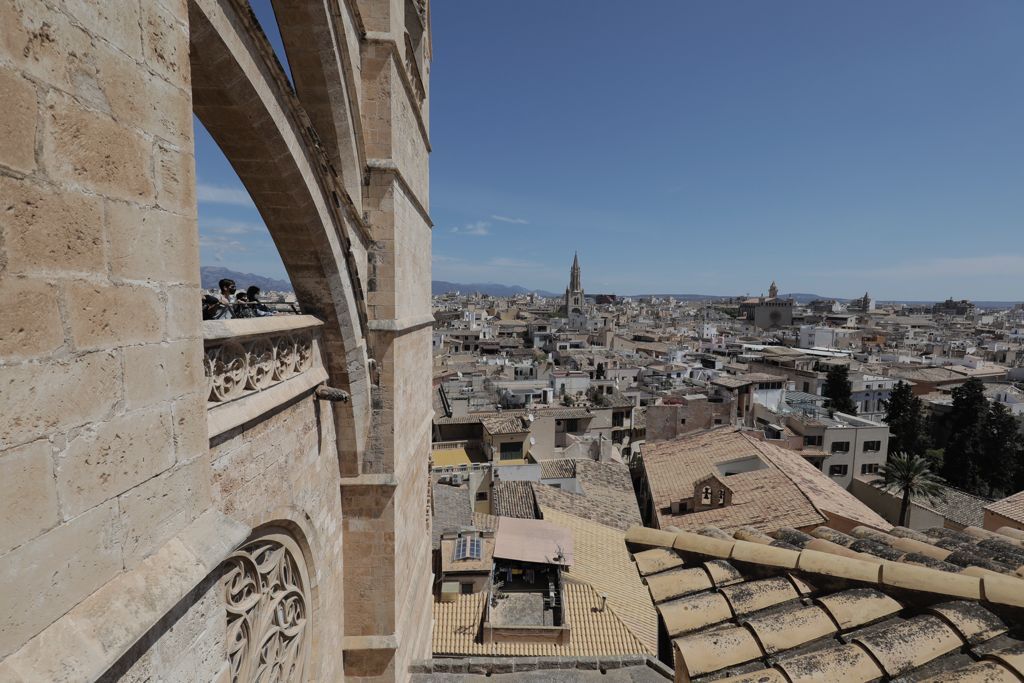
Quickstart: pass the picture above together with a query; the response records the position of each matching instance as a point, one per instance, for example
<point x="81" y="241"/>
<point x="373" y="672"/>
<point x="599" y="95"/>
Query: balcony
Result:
<point x="254" y="365"/>
<point x="458" y="456"/>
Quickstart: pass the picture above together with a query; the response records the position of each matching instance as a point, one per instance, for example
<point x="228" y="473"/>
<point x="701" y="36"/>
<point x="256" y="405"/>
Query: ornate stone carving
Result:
<point x="267" y="599"/>
<point x="233" y="367"/>
<point x="228" y="365"/>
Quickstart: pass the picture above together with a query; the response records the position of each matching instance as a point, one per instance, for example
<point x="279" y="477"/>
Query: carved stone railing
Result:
<point x="255" y="364"/>
<point x="412" y="66"/>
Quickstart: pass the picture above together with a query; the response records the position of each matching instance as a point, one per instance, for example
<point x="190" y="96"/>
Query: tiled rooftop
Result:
<point x="513" y="499"/>
<point x="601" y="560"/>
<point x="592" y="631"/>
<point x="1011" y="507"/>
<point x="607" y="497"/>
<point x="788" y="492"/>
<point x="757" y="610"/>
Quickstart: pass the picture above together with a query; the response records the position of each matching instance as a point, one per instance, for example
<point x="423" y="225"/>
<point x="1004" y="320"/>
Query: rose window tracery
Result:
<point x="266" y="594"/>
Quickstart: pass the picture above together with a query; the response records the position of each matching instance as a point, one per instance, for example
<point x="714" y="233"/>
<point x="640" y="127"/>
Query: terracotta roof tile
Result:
<point x="593" y="632"/>
<point x="513" y="499"/>
<point x="602" y="560"/>
<point x="607" y="498"/>
<point x="832" y="618"/>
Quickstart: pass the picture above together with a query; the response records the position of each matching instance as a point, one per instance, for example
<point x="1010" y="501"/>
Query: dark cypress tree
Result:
<point x="1001" y="446"/>
<point x="904" y="413"/>
<point x="964" y="458"/>
<point x="838" y="390"/>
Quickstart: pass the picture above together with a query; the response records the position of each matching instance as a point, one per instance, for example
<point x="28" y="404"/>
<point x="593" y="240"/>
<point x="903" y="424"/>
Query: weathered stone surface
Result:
<point x="162" y="506"/>
<point x="117" y="22"/>
<point x="18" y="124"/>
<point x="44" y="43"/>
<point x="91" y="150"/>
<point x="165" y="43"/>
<point x="149" y="244"/>
<point x="109" y="315"/>
<point x="37" y="400"/>
<point x="54" y="570"/>
<point x="99" y="247"/>
<point x="31" y="324"/>
<point x="48" y="231"/>
<point x="28" y="496"/>
<point x="175" y="179"/>
<point x="161" y="372"/>
<point x="107" y="459"/>
<point x="190" y="427"/>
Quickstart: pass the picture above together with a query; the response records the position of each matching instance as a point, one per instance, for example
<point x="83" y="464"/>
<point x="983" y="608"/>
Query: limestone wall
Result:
<point x="103" y="453"/>
<point x="126" y="528"/>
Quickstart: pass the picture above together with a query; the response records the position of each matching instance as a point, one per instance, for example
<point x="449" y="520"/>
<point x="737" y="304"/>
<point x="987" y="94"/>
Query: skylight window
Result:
<point x="467" y="549"/>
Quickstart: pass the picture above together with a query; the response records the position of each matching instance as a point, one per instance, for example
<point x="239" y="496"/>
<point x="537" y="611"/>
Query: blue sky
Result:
<point x="710" y="147"/>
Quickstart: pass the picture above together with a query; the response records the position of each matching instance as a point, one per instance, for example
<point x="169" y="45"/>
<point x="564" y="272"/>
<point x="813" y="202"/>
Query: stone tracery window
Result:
<point x="266" y="592"/>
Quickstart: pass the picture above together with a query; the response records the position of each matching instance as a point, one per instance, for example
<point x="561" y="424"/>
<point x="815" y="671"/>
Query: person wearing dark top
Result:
<point x="258" y="308"/>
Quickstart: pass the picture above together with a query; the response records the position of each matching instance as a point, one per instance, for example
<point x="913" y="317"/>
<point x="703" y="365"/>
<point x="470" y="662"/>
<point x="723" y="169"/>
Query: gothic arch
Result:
<point x="243" y="98"/>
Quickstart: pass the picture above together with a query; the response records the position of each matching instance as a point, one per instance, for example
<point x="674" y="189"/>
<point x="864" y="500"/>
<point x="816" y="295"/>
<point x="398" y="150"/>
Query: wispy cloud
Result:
<point x="214" y="194"/>
<point x="222" y="247"/>
<point x="507" y="219"/>
<point x="230" y="226"/>
<point x="477" y="229"/>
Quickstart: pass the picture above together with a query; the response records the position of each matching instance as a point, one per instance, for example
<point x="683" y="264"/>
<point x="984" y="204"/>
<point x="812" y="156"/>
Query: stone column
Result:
<point x="387" y="522"/>
<point x="103" y="447"/>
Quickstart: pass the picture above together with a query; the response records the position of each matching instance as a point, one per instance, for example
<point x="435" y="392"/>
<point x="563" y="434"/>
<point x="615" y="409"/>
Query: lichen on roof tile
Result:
<point x="909" y="644"/>
<point x="790" y="628"/>
<point x="858" y="607"/>
<point x="979" y="672"/>
<point x="694" y="612"/>
<point x="974" y="623"/>
<point x="656" y="560"/>
<point x="709" y="652"/>
<point x="751" y="596"/>
<point x="840" y="663"/>
<point x="677" y="583"/>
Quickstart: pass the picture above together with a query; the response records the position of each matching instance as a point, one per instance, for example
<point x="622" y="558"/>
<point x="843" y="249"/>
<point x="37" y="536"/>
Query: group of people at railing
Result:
<point x="230" y="303"/>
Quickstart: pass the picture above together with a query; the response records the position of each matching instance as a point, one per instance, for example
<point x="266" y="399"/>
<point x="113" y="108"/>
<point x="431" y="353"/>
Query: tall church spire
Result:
<point x="574" y="292"/>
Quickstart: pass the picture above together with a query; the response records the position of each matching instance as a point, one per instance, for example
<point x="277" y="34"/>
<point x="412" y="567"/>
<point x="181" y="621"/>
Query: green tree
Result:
<point x="965" y="451"/>
<point x="910" y="475"/>
<point x="904" y="413"/>
<point x="838" y="390"/>
<point x="1001" y="448"/>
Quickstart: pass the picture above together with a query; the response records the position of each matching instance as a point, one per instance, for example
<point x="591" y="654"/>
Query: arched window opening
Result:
<point x="234" y="243"/>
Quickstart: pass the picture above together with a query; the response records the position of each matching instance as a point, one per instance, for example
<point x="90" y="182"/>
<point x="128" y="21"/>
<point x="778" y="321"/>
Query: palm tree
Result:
<point x="911" y="475"/>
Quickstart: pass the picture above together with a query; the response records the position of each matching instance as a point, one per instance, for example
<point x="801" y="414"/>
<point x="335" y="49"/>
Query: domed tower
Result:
<point x="773" y="291"/>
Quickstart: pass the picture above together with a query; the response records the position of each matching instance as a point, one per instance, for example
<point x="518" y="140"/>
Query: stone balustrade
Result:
<point x="413" y="68"/>
<point x="255" y="364"/>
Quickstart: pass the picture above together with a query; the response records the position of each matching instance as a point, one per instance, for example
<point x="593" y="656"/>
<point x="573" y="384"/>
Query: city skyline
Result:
<point x="844" y="148"/>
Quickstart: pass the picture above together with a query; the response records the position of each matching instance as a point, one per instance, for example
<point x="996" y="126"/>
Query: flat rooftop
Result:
<point x="522" y="609"/>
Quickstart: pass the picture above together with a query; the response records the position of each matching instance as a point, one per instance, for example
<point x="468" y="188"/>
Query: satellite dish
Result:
<point x="533" y="441"/>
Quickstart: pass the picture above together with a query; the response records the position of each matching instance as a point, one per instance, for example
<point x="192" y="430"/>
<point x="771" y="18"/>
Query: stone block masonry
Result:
<point x="128" y="529"/>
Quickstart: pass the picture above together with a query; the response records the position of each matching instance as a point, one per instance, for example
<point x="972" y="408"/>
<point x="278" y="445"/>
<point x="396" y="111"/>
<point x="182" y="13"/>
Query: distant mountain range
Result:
<point x="211" y="275"/>
<point x="489" y="289"/>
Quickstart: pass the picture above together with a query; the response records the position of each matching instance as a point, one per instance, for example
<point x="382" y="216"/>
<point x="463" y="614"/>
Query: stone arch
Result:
<point x="243" y="98"/>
